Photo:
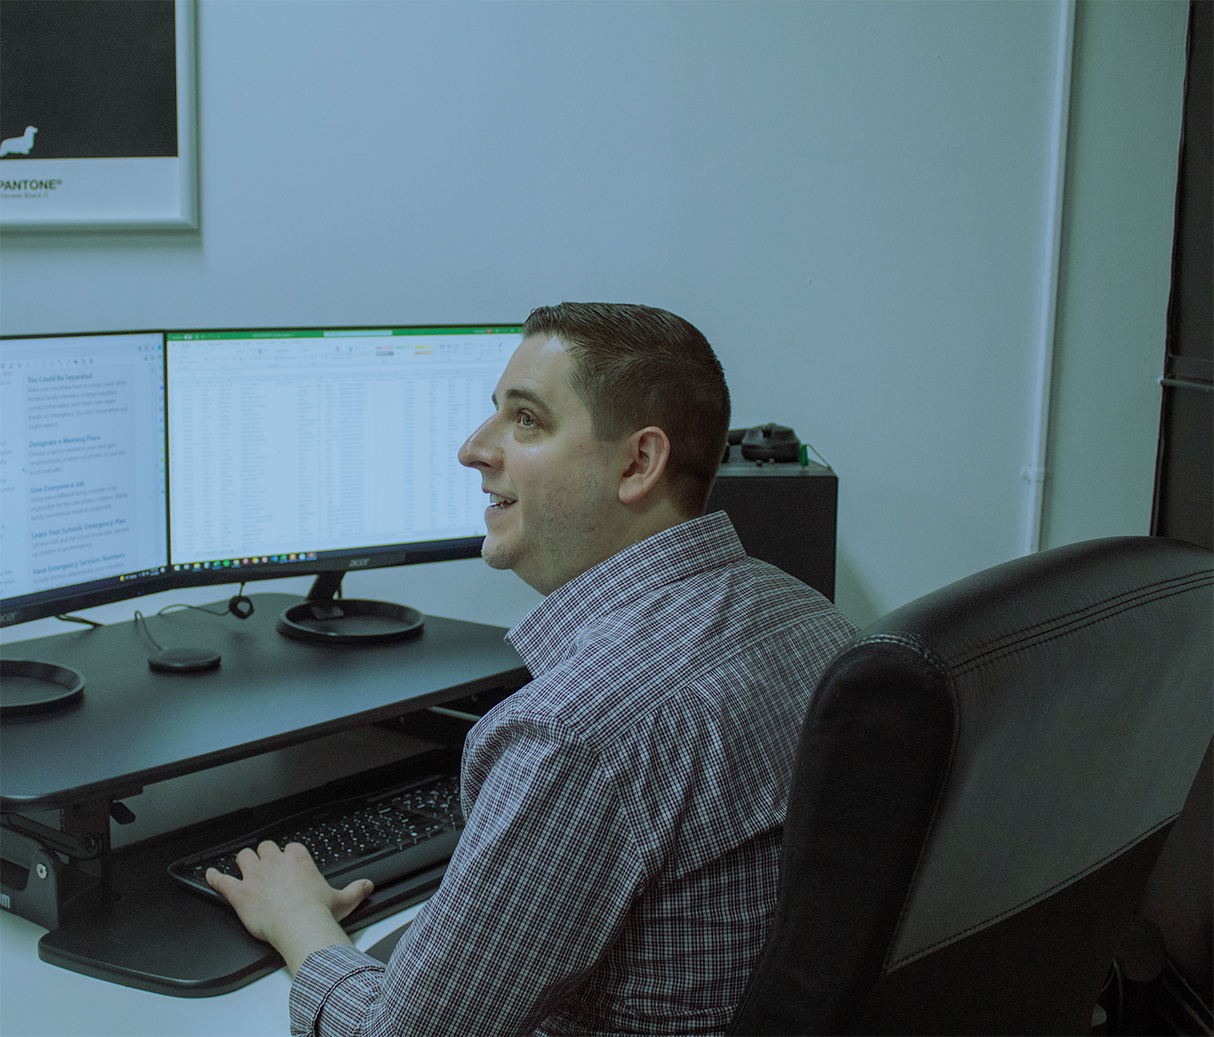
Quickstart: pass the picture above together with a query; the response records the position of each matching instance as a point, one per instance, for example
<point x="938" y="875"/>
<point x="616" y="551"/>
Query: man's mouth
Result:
<point x="498" y="502"/>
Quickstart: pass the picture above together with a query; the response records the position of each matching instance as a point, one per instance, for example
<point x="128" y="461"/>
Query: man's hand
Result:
<point x="284" y="900"/>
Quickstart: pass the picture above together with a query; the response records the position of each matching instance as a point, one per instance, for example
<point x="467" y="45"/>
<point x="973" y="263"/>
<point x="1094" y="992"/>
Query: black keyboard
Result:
<point x="383" y="836"/>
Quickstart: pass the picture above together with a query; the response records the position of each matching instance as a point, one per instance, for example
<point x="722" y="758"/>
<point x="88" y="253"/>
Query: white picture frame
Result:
<point x="88" y="194"/>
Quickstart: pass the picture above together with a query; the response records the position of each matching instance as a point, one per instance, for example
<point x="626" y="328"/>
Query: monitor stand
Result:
<point x="32" y="687"/>
<point x="327" y="619"/>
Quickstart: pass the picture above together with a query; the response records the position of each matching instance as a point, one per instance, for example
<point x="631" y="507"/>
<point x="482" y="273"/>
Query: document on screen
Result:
<point x="82" y="473"/>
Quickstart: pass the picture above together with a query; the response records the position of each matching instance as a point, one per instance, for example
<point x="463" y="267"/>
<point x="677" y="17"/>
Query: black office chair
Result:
<point x="983" y="783"/>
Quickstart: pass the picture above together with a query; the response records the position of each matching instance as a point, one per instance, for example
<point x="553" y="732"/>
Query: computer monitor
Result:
<point x="324" y="450"/>
<point x="82" y="472"/>
<point x="147" y="461"/>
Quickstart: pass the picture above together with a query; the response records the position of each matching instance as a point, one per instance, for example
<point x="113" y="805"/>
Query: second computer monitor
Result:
<point x="322" y="450"/>
<point x="82" y="472"/>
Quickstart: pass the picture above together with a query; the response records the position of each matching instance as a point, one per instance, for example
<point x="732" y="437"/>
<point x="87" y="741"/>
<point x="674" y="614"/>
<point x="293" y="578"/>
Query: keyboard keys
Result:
<point x="383" y="836"/>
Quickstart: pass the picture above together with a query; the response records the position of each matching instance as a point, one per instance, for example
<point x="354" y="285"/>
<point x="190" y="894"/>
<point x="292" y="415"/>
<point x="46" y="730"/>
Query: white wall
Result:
<point x="850" y="200"/>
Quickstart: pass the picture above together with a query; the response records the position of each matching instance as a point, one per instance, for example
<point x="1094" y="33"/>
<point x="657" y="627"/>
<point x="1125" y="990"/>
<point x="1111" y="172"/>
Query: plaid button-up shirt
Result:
<point x="618" y="870"/>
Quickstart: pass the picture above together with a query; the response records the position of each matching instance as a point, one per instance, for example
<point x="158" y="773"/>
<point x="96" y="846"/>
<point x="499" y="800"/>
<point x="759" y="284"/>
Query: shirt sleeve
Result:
<point x="539" y="887"/>
<point x="359" y="977"/>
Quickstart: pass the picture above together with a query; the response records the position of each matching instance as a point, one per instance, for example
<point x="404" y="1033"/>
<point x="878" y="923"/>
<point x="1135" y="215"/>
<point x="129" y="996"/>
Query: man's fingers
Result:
<point x="221" y="883"/>
<point x="362" y="888"/>
<point x="268" y="874"/>
<point x="245" y="858"/>
<point x="347" y="899"/>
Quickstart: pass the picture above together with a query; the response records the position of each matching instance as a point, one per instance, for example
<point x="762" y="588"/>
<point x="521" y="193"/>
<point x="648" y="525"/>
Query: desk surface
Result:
<point x="41" y="999"/>
<point x="135" y="726"/>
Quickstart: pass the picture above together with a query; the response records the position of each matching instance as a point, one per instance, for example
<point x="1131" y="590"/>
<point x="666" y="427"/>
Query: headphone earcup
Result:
<point x="240" y="607"/>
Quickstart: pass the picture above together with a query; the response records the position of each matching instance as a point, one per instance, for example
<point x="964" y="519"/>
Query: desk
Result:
<point x="135" y="727"/>
<point x="42" y="1000"/>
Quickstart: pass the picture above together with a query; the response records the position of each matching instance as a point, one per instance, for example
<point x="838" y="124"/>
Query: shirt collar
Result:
<point x="547" y="635"/>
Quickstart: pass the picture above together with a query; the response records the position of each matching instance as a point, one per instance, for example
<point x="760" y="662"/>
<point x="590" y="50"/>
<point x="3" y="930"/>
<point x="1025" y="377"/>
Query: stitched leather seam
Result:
<point x="916" y="645"/>
<point x="1189" y="581"/>
<point x="995" y="919"/>
<point x="1193" y="580"/>
<point x="913" y="643"/>
<point x="1063" y="625"/>
<point x="1149" y="592"/>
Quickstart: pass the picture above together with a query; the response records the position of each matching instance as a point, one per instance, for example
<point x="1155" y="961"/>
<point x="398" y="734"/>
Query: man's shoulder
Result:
<point x="734" y="622"/>
<point x="706" y="676"/>
<point x="729" y="608"/>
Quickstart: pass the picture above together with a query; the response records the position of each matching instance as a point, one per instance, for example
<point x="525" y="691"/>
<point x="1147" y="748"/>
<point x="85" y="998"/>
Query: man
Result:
<point x="624" y="810"/>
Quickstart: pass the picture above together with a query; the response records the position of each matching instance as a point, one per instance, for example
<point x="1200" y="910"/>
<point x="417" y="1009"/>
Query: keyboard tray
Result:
<point x="383" y="836"/>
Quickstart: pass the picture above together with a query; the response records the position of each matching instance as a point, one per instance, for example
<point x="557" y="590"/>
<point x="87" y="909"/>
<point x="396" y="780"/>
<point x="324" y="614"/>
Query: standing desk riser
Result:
<point x="115" y="914"/>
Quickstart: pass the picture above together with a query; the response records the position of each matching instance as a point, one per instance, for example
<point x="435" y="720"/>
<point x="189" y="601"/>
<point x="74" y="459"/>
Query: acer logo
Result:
<point x="358" y="563"/>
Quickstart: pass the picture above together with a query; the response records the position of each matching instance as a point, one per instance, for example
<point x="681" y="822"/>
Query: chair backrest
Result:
<point x="983" y="783"/>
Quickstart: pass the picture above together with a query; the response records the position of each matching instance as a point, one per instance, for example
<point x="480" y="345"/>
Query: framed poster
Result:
<point x="97" y="115"/>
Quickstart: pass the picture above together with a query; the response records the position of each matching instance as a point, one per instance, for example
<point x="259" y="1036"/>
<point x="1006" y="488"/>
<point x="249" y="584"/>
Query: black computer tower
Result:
<point x="784" y="514"/>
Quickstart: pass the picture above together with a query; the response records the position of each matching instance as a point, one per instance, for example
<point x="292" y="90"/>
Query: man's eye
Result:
<point x="526" y="419"/>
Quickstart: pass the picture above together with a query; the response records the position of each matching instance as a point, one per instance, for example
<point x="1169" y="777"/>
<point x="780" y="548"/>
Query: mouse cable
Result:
<point x="140" y="618"/>
<point x="200" y="608"/>
<point x="80" y="619"/>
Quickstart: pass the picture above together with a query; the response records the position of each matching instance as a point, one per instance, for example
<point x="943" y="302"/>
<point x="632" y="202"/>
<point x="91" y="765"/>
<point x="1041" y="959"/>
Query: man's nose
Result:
<point x="477" y="451"/>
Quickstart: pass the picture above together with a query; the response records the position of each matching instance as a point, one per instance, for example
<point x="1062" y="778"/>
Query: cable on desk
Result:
<point x="80" y="619"/>
<point x="141" y="619"/>
<point x="238" y="606"/>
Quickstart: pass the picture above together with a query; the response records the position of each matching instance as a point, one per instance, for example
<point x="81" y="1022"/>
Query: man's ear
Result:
<point x="648" y="450"/>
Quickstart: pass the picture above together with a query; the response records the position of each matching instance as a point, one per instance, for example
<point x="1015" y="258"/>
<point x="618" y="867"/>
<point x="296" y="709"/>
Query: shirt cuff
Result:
<point x="316" y="989"/>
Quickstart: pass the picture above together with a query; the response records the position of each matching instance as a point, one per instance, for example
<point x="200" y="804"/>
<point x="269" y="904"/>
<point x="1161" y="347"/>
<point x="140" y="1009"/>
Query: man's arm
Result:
<point x="539" y="886"/>
<point x="284" y="900"/>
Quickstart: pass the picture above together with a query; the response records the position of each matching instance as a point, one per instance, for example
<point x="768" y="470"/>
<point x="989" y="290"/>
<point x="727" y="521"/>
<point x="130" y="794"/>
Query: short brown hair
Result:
<point x="634" y="366"/>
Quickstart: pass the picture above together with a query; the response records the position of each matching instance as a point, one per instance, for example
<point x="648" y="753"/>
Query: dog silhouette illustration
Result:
<point x="19" y="145"/>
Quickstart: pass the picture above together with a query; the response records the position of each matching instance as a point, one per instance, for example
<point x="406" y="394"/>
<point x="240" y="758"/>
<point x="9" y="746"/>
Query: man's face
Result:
<point x="553" y="486"/>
